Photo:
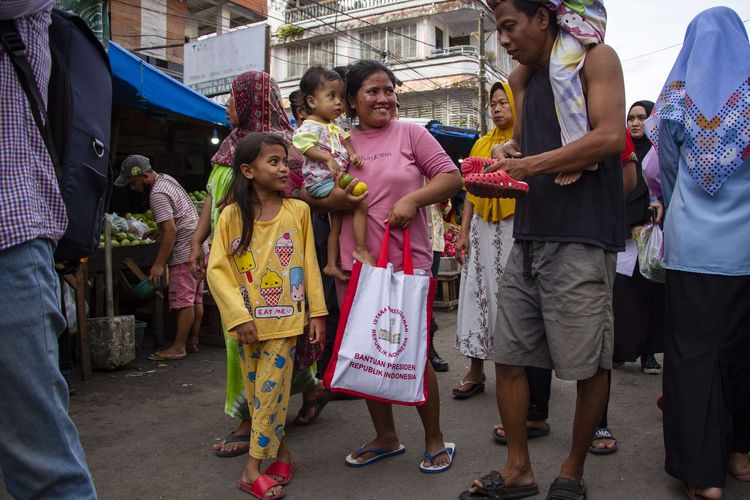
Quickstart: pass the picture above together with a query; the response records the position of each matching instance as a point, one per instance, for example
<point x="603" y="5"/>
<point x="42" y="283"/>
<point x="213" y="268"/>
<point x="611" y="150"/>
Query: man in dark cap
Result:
<point x="177" y="218"/>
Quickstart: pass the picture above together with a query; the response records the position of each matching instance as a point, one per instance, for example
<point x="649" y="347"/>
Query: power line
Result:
<point x="651" y="53"/>
<point x="362" y="20"/>
<point x="646" y="54"/>
<point x="383" y="53"/>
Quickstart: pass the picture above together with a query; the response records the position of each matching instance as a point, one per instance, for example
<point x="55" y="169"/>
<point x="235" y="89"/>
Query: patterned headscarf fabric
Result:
<point x="259" y="106"/>
<point x="708" y="92"/>
<point x="581" y="23"/>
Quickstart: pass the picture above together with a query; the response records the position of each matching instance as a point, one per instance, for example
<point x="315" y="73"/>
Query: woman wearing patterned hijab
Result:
<point x="255" y="105"/>
<point x="701" y="129"/>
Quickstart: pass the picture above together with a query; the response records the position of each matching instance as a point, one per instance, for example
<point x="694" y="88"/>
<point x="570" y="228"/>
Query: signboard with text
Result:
<point x="212" y="63"/>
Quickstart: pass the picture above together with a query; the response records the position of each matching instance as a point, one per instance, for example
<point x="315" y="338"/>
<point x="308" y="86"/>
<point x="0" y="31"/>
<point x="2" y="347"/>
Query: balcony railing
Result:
<point x="459" y="50"/>
<point x="328" y="8"/>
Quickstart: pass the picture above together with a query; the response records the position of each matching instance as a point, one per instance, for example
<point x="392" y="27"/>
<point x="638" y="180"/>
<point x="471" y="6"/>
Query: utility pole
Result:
<point x="482" y="92"/>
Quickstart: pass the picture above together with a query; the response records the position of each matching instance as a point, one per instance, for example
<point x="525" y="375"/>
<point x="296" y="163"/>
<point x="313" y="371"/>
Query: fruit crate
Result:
<point x="446" y="293"/>
<point x="449" y="265"/>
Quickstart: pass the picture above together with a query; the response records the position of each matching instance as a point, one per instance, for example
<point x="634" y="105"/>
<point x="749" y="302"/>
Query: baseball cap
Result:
<point x="132" y="166"/>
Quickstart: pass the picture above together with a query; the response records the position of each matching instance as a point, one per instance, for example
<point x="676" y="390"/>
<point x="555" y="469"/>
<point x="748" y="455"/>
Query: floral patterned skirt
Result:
<point x="479" y="293"/>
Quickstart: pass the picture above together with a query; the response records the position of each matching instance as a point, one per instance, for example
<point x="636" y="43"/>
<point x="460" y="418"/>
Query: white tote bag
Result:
<point x="381" y="344"/>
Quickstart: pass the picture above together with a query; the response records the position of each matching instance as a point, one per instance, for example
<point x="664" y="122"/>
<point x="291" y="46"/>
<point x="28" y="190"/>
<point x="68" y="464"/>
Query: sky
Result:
<point x="638" y="27"/>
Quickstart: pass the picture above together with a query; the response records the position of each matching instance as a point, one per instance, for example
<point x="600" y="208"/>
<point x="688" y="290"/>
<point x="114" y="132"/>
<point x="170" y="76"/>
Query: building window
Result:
<point x="302" y="56"/>
<point x="398" y="42"/>
<point x="438" y="38"/>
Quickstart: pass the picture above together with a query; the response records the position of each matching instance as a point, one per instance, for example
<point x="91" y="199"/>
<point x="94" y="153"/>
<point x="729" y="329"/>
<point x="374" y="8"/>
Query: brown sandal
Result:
<point x="474" y="388"/>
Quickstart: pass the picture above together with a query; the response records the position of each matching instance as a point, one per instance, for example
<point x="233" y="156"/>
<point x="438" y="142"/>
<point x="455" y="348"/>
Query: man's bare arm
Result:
<point x="518" y="81"/>
<point x="606" y="107"/>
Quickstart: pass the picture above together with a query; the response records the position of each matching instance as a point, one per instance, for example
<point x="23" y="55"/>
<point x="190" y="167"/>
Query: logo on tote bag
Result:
<point x="391" y="333"/>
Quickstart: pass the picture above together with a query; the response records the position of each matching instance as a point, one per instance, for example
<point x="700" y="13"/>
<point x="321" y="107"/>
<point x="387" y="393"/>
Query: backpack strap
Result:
<point x="15" y="48"/>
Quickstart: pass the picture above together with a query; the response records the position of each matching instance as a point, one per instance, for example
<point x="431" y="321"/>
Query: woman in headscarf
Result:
<point x="702" y="133"/>
<point x="638" y="303"/>
<point x="255" y="105"/>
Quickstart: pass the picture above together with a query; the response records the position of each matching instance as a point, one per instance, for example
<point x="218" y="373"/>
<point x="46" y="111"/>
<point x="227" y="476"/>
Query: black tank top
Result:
<point x="590" y="211"/>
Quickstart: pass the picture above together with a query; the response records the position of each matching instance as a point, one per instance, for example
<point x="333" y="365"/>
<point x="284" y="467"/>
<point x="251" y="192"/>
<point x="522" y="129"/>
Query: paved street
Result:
<point x="148" y="436"/>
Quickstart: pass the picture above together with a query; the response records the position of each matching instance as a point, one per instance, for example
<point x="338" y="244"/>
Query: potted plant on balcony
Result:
<point x="289" y="31"/>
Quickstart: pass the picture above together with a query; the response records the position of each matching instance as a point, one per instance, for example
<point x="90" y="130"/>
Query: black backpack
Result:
<point x="77" y="133"/>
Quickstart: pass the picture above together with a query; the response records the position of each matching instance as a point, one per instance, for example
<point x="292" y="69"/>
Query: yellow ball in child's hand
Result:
<point x="359" y="189"/>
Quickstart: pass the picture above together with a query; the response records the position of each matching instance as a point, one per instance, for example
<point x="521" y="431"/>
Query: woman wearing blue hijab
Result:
<point x="702" y="132"/>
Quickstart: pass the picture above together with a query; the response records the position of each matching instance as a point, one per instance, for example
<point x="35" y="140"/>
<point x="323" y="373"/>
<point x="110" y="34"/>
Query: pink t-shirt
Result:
<point x="398" y="158"/>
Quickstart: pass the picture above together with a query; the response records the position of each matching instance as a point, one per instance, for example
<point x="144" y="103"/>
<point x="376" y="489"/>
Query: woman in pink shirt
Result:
<point x="398" y="157"/>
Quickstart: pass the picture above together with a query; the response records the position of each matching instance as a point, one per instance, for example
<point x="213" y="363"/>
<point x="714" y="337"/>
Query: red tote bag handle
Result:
<point x="383" y="257"/>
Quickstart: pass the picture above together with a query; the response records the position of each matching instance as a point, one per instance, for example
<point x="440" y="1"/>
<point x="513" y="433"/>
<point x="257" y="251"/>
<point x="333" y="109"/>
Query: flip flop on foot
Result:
<point x="739" y="466"/>
<point x="467" y="388"/>
<point x="317" y="404"/>
<point x="259" y="488"/>
<point x="380" y="454"/>
<point x="531" y="433"/>
<point x="698" y="493"/>
<point x="283" y="470"/>
<point x="191" y="348"/>
<point x="450" y="450"/>
<point x="236" y="451"/>
<point x="567" y="489"/>
<point x="160" y="356"/>
<point x="601" y="435"/>
<point x="493" y="486"/>
<point x="497" y="184"/>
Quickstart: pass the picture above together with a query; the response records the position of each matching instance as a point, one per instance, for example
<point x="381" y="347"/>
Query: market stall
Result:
<point x="156" y="116"/>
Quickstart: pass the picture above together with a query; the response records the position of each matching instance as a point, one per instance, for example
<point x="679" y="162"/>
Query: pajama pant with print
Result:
<point x="267" y="374"/>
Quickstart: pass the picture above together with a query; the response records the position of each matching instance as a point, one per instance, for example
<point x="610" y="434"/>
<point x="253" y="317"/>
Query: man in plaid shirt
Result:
<point x="40" y="453"/>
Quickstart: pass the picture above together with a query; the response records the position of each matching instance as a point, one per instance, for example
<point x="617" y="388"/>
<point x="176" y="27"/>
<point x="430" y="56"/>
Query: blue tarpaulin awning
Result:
<point x="456" y="141"/>
<point x="137" y="84"/>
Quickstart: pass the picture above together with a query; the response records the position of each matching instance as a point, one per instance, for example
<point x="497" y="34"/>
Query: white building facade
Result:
<point x="431" y="46"/>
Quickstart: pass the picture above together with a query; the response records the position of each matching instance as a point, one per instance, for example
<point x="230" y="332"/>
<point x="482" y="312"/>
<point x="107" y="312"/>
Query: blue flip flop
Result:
<point x="380" y="454"/>
<point x="450" y="449"/>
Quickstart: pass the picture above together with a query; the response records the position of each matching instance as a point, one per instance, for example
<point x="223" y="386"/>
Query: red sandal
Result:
<point x="283" y="470"/>
<point x="497" y="184"/>
<point x="475" y="165"/>
<point x="259" y="487"/>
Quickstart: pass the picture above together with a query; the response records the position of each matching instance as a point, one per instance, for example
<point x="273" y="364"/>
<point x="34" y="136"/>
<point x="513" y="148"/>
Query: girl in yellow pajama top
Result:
<point x="262" y="269"/>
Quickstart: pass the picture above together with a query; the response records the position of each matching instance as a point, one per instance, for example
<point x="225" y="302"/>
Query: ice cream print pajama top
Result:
<point x="270" y="282"/>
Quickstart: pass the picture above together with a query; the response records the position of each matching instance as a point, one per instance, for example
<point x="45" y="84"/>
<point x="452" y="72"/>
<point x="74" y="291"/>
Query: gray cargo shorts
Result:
<point x="556" y="308"/>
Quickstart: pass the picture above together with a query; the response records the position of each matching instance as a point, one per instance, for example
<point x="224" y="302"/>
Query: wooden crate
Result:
<point x="446" y="294"/>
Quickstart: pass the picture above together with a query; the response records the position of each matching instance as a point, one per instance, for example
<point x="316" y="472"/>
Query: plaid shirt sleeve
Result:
<point x="30" y="202"/>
